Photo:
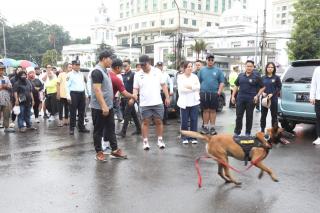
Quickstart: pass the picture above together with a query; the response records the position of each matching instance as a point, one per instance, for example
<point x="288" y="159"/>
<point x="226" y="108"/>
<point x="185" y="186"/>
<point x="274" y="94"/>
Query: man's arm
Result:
<point x="166" y="93"/>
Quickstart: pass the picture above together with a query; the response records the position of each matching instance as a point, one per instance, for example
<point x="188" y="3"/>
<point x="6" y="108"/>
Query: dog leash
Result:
<point x="223" y="163"/>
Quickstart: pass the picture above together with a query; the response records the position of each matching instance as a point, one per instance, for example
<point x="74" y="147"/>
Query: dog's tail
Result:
<point x="197" y="135"/>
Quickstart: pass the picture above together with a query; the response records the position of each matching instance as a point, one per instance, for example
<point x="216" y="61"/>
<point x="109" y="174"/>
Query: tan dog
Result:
<point x="221" y="146"/>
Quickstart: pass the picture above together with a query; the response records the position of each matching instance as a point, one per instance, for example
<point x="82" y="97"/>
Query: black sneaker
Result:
<point x="213" y="131"/>
<point x="204" y="130"/>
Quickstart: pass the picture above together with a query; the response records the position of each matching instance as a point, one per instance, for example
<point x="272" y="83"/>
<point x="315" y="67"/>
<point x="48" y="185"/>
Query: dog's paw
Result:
<point x="228" y="181"/>
<point x="238" y="183"/>
<point x="275" y="180"/>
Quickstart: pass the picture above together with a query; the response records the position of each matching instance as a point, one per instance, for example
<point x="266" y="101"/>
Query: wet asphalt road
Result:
<point x="50" y="171"/>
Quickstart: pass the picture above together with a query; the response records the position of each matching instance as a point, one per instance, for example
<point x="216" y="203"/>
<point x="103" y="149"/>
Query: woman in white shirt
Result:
<point x="189" y="100"/>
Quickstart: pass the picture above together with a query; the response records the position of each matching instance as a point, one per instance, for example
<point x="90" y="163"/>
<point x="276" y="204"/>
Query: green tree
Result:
<point x="305" y="43"/>
<point x="50" y="57"/>
<point x="30" y="41"/>
<point x="80" y="41"/>
<point x="199" y="47"/>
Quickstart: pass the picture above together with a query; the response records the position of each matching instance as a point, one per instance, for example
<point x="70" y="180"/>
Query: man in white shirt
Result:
<point x="148" y="83"/>
<point x="169" y="84"/>
<point x="315" y="100"/>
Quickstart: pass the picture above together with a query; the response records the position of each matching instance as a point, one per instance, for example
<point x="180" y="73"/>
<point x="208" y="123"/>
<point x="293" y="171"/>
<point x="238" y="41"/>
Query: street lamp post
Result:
<point x="179" y="41"/>
<point x="264" y="33"/>
<point x="4" y="37"/>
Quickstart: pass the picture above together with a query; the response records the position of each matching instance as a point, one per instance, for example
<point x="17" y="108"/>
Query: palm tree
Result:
<point x="199" y="47"/>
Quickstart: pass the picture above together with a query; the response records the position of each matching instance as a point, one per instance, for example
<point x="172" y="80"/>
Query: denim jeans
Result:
<point x="24" y="116"/>
<point x="189" y="114"/>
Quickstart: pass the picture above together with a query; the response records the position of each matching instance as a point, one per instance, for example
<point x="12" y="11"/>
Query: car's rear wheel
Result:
<point x="288" y="125"/>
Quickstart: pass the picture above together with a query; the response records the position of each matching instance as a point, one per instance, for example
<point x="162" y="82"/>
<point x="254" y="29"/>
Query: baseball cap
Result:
<point x="159" y="63"/>
<point x="75" y="62"/>
<point x="210" y="55"/>
<point x="2" y="66"/>
<point x="144" y="59"/>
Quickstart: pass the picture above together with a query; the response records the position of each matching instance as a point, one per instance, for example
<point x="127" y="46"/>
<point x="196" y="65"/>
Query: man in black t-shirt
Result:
<point x="37" y="88"/>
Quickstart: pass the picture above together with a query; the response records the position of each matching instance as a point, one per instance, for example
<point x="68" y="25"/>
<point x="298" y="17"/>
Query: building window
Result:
<point x="121" y="15"/>
<point x="146" y="38"/>
<point x="207" y="5"/>
<point x="144" y="24"/>
<point x="173" y="4"/>
<point x="189" y="52"/>
<point x="229" y="4"/>
<point x="121" y="6"/>
<point x="185" y="4"/>
<point x="149" y="49"/>
<point x="125" y="28"/>
<point x="185" y="21"/>
<point x="124" y="41"/>
<point x="171" y="21"/>
<point x="216" y="6"/>
<point x="138" y="9"/>
<point x="272" y="45"/>
<point x="199" y="6"/>
<point x="163" y="22"/>
<point x="145" y="5"/>
<point x="127" y="5"/>
<point x="152" y="23"/>
<point x="165" y="6"/>
<point x="284" y="8"/>
<point x="136" y="25"/>
<point x="193" y="6"/>
<point x="283" y="15"/>
<point x="119" y="29"/>
<point x="251" y="43"/>
<point x="283" y="22"/>
<point x="223" y="5"/>
<point x="278" y="15"/>
<point x="208" y="24"/>
<point x="139" y="40"/>
<point x="155" y="5"/>
<point x="194" y="22"/>
<point x="235" y="44"/>
<point x="127" y="13"/>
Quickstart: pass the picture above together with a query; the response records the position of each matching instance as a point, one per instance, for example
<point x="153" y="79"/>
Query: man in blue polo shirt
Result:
<point x="211" y="86"/>
<point x="249" y="88"/>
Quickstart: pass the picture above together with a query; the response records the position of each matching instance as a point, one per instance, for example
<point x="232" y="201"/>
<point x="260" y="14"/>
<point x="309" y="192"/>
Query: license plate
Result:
<point x="302" y="97"/>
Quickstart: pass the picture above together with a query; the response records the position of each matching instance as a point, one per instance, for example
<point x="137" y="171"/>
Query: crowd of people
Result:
<point x="112" y="87"/>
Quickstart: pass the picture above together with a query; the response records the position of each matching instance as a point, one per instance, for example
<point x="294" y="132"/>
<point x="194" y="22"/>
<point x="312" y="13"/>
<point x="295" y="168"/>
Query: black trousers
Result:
<point x="36" y="105"/>
<point x="78" y="103"/>
<point x="63" y="107"/>
<point x="103" y="126"/>
<point x="52" y="103"/>
<point x="317" y="110"/>
<point x="264" y="113"/>
<point x="129" y="112"/>
<point x="165" y="114"/>
<point x="244" y="106"/>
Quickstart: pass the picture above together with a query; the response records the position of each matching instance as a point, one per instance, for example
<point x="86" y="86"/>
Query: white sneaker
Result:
<point x="146" y="145"/>
<point x="316" y="142"/>
<point x="185" y="142"/>
<point x="12" y="125"/>
<point x="194" y="141"/>
<point x="51" y="118"/>
<point x="161" y="145"/>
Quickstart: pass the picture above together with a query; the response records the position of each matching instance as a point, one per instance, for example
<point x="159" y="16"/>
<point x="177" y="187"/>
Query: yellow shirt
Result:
<point x="51" y="86"/>
<point x="62" y="80"/>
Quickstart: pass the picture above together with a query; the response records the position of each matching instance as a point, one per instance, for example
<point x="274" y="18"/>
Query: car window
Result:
<point x="300" y="74"/>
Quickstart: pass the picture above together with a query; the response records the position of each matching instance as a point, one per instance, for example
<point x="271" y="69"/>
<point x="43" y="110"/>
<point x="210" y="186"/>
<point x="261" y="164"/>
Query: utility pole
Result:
<point x="179" y="40"/>
<point x="263" y="43"/>
<point x="256" y="43"/>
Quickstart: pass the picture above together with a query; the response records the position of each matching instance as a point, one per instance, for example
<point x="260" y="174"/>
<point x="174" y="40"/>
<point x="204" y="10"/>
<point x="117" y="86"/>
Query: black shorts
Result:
<point x="209" y="100"/>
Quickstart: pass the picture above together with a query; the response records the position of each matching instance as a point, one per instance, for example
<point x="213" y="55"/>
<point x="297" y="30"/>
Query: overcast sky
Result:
<point x="74" y="15"/>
